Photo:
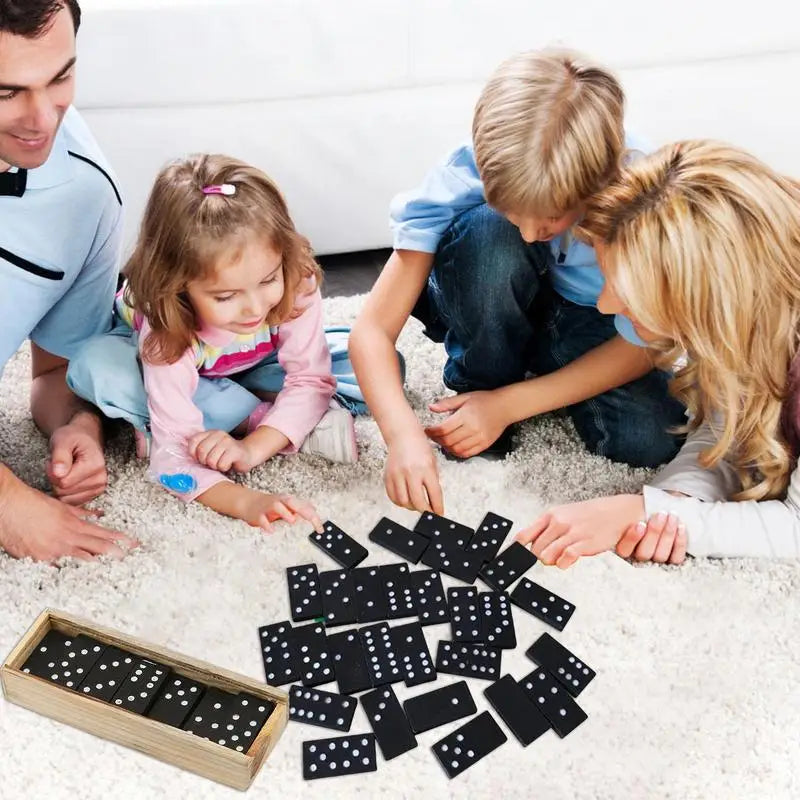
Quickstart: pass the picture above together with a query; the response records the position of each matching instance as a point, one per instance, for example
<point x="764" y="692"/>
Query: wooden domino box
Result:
<point x="157" y="739"/>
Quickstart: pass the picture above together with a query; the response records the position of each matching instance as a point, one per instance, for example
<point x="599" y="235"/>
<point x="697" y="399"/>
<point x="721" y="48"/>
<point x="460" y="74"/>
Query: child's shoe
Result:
<point x="334" y="437"/>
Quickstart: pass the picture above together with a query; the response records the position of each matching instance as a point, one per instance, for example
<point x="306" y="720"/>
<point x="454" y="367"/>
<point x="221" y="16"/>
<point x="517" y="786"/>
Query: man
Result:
<point x="60" y="231"/>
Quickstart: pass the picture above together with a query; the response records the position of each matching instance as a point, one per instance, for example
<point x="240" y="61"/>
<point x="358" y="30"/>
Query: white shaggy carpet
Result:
<point x="698" y="667"/>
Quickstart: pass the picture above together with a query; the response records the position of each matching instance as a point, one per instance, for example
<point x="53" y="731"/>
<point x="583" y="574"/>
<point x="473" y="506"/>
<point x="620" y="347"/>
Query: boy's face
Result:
<point x="37" y="85"/>
<point x="543" y="229"/>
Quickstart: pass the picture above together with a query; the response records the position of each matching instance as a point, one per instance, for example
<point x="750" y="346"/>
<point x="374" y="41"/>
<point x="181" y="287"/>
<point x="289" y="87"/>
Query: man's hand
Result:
<point x="476" y="422"/>
<point x="565" y="533"/>
<point x="37" y="526"/>
<point x="76" y="467"/>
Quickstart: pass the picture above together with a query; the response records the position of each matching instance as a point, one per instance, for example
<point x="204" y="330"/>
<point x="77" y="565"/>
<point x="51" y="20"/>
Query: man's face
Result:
<point x="37" y="85"/>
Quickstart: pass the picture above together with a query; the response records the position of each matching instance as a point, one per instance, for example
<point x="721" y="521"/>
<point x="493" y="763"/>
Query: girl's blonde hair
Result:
<point x="548" y="132"/>
<point x="185" y="233"/>
<point x="701" y="242"/>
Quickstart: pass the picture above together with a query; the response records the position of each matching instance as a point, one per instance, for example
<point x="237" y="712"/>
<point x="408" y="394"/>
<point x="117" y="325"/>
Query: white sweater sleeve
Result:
<point x="715" y="526"/>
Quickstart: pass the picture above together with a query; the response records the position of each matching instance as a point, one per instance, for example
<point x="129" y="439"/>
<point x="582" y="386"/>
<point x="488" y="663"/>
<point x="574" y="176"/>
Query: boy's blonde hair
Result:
<point x="548" y="132"/>
<point x="185" y="234"/>
<point x="701" y="242"/>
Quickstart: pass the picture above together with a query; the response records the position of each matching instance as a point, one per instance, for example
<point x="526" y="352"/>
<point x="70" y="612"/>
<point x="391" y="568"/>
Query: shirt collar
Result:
<point x="216" y="337"/>
<point x="56" y="170"/>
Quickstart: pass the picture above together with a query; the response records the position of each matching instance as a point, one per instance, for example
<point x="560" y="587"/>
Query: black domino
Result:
<point x="542" y="603"/>
<point x="342" y="755"/>
<point x="429" y="597"/>
<point x="468" y="744"/>
<point x="508" y="566"/>
<point x="178" y="698"/>
<point x="305" y="600"/>
<point x="397" y="587"/>
<point x="338" y="591"/>
<point x="370" y="595"/>
<point x="440" y="706"/>
<point x="349" y="662"/>
<point x="554" y="701"/>
<point x="311" y="656"/>
<point x="572" y="672"/>
<point x="497" y="621"/>
<point x="454" y="561"/>
<point x="389" y="722"/>
<point x="469" y="660"/>
<point x="399" y="540"/>
<point x="325" y="709"/>
<point x="445" y="530"/>
<point x="517" y="710"/>
<point x="382" y="661"/>
<point x="490" y="535"/>
<point x="412" y="649"/>
<point x="277" y="652"/>
<point x="341" y="547"/>
<point x="465" y="621"/>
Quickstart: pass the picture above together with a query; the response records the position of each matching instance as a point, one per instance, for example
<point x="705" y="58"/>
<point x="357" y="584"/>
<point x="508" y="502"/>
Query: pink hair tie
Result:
<point x="227" y="189"/>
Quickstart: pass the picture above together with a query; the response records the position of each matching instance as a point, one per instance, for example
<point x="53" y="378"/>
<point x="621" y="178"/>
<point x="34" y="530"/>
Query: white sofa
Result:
<point x="346" y="102"/>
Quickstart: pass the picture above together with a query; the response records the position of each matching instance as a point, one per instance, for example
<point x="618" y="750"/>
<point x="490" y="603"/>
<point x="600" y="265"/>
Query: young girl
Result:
<point x="700" y="246"/>
<point x="220" y="284"/>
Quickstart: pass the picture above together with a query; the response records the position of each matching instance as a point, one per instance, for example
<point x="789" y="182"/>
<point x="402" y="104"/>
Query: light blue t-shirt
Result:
<point x="421" y="216"/>
<point x="59" y="248"/>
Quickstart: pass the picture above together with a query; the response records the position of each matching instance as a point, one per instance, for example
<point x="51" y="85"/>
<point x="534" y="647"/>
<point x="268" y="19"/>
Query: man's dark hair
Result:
<point x="32" y="18"/>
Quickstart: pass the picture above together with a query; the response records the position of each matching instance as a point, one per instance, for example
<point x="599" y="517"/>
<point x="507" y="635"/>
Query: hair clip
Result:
<point x="227" y="189"/>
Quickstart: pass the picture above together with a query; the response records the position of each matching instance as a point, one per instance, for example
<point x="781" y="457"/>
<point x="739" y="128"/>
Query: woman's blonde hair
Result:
<point x="701" y="242"/>
<point x="185" y="233"/>
<point x="548" y="132"/>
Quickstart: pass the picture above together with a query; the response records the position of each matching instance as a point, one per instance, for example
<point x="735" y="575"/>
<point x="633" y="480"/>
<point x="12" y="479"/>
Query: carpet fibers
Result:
<point x="696" y="694"/>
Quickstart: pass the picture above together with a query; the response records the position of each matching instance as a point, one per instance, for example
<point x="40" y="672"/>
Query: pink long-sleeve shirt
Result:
<point x="174" y="418"/>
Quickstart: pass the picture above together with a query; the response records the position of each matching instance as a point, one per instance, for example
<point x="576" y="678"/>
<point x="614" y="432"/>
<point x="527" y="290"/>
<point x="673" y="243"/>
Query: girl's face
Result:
<point x="240" y="293"/>
<point x="609" y="301"/>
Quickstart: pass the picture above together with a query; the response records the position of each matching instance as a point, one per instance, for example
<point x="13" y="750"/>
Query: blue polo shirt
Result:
<point x="421" y="216"/>
<point x="59" y="248"/>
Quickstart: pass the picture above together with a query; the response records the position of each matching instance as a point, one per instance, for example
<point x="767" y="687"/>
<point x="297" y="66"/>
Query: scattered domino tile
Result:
<point x="542" y="603"/>
<point x="310" y="654"/>
<point x="572" y="672"/>
<point x="389" y="722"/>
<point x="554" y="701"/>
<point x="435" y="527"/>
<point x="517" y="710"/>
<point x="371" y="605"/>
<point x="305" y="599"/>
<point x="349" y="662"/>
<point x="339" y="546"/>
<point x="325" y="709"/>
<point x="396" y="584"/>
<point x="507" y="566"/>
<point x="469" y="660"/>
<point x="428" y="597"/>
<point x="440" y="706"/>
<point x="454" y="561"/>
<point x="399" y="540"/>
<point x="490" y="535"/>
<point x="412" y="649"/>
<point x="382" y="660"/>
<point x="278" y="654"/>
<point x="468" y="744"/>
<point x="338" y="598"/>
<point x="497" y="621"/>
<point x="465" y="622"/>
<point x="342" y="755"/>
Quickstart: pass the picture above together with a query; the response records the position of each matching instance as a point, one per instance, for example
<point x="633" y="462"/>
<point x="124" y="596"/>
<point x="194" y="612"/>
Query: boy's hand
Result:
<point x="476" y="421"/>
<point x="412" y="477"/>
<point x="565" y="533"/>
<point x="661" y="539"/>
<point x="219" y="450"/>
<point x="76" y="467"/>
<point x="261" y="509"/>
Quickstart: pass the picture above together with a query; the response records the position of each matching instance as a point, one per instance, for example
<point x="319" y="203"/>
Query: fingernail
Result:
<point x="661" y="517"/>
<point x="681" y="529"/>
<point x="641" y="526"/>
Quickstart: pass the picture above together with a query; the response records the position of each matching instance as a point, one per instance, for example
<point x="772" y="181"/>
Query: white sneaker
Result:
<point x="334" y="437"/>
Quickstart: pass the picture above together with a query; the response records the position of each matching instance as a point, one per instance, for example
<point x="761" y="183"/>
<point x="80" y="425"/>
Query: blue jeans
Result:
<point x="106" y="372"/>
<point x="490" y="301"/>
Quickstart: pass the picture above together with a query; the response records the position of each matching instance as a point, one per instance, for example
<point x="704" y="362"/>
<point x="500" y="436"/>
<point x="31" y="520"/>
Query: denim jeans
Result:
<point x="489" y="300"/>
<point x="106" y="372"/>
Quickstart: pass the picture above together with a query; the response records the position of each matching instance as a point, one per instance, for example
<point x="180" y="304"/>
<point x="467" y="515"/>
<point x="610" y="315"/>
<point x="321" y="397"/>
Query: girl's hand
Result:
<point x="412" y="477"/>
<point x="219" y="450"/>
<point x="565" y="533"/>
<point x="261" y="509"/>
<point x="662" y="540"/>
